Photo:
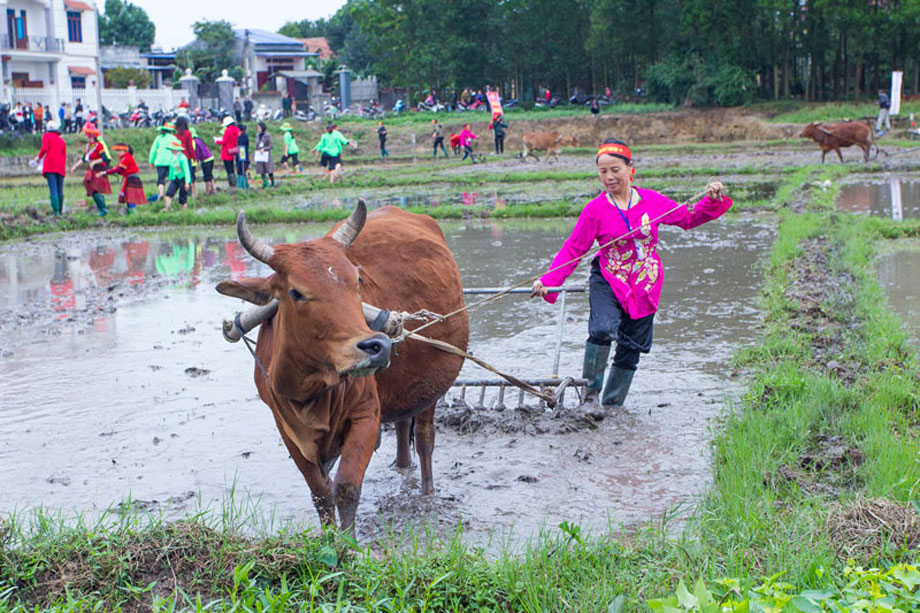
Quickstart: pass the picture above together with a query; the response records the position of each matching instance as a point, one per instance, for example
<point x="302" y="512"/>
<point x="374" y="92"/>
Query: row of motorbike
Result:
<point x="435" y="106"/>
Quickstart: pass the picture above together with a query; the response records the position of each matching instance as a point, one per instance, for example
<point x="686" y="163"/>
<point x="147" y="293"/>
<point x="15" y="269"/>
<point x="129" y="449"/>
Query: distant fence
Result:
<point x="116" y="100"/>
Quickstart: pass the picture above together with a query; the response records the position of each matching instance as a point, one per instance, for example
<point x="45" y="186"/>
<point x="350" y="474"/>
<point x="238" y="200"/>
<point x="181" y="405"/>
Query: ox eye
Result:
<point x="296" y="296"/>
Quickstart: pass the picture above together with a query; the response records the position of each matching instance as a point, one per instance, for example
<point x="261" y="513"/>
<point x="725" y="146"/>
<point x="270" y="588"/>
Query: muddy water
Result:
<point x="115" y="382"/>
<point x="896" y="198"/>
<point x="898" y="275"/>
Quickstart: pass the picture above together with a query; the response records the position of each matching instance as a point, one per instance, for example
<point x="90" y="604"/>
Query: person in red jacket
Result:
<point x="184" y="134"/>
<point x="54" y="152"/>
<point x="229" y="148"/>
<point x="132" y="189"/>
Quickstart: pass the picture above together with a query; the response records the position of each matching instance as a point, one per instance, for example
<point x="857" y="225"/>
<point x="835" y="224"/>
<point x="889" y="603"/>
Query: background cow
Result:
<point x="550" y="142"/>
<point x="327" y="383"/>
<point x="834" y="136"/>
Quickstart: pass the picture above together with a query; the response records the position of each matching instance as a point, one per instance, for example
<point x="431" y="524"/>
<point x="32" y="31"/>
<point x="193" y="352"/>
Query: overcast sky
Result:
<point x="174" y="18"/>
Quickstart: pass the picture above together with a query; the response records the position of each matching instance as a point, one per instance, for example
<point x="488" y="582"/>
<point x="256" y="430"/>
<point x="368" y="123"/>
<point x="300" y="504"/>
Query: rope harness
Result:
<point x="400" y="333"/>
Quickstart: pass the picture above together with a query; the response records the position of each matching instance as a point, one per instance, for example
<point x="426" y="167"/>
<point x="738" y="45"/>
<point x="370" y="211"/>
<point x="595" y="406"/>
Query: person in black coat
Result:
<point x="498" y="129"/>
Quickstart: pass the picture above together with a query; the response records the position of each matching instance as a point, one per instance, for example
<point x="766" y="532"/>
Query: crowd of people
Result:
<point x="181" y="159"/>
<point x="26" y="118"/>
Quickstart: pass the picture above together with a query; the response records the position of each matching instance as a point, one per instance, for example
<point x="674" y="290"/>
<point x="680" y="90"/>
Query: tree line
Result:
<point x="703" y="52"/>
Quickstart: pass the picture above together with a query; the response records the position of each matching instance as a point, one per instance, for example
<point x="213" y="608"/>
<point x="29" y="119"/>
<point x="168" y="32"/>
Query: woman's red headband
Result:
<point x="615" y="149"/>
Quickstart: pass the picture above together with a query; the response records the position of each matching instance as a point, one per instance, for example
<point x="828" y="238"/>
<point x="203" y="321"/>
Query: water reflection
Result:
<point x="493" y="199"/>
<point x="896" y="199"/>
<point x="61" y="285"/>
<point x="898" y="275"/>
<point x="60" y="277"/>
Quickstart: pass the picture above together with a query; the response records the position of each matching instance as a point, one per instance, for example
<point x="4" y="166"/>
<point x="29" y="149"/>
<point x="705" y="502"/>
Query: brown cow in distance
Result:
<point x="835" y="136"/>
<point x="331" y="380"/>
<point x="550" y="142"/>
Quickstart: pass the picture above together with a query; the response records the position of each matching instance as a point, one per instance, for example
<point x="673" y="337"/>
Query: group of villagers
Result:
<point x="181" y="159"/>
<point x="626" y="272"/>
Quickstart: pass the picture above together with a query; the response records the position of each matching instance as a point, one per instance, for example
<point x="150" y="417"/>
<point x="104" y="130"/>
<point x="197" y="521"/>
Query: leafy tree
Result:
<point x="304" y="28"/>
<point x="211" y="52"/>
<point x="701" y="51"/>
<point x="126" y="24"/>
<point x="121" y="77"/>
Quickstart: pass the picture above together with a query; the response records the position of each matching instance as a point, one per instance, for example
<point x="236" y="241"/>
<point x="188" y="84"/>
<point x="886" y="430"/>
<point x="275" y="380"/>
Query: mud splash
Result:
<point x="107" y="388"/>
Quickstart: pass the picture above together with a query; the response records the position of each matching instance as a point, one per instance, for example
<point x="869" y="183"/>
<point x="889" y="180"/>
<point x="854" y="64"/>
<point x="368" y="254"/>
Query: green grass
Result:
<point x="512" y="114"/>
<point x="831" y="111"/>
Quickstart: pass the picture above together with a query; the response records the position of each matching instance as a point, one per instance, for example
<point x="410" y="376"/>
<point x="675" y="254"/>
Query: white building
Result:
<point x="49" y="52"/>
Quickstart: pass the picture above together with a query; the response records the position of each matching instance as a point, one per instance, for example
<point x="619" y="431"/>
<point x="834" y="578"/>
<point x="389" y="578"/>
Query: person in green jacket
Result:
<point x="330" y="148"/>
<point x="291" y="150"/>
<point x="161" y="157"/>
<point x="180" y="174"/>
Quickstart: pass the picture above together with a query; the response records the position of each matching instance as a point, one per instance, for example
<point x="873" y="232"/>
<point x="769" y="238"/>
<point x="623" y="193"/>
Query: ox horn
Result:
<point x="348" y="231"/>
<point x="254" y="246"/>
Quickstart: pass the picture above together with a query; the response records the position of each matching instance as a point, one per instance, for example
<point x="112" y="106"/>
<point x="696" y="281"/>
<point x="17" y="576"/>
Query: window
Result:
<point x="17" y="29"/>
<point x="78" y="82"/>
<point x="74" y="26"/>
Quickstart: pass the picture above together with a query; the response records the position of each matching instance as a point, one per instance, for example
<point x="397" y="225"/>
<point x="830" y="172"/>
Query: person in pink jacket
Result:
<point x="626" y="276"/>
<point x="466" y="141"/>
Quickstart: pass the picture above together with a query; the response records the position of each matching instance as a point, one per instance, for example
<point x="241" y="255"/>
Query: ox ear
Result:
<point x="254" y="290"/>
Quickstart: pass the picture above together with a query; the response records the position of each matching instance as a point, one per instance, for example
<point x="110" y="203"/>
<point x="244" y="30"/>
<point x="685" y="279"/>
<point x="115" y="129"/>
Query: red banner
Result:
<point x="495" y="103"/>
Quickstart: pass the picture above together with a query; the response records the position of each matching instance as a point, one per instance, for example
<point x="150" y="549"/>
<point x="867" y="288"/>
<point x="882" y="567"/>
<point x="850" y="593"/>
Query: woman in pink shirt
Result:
<point x="626" y="276"/>
<point x="466" y="141"/>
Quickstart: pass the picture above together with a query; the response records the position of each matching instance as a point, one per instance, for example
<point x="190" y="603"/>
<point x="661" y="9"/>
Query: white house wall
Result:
<point x="48" y="19"/>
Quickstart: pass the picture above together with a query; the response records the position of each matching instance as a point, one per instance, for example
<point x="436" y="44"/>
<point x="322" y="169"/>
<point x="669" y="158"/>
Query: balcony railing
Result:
<point x="32" y="43"/>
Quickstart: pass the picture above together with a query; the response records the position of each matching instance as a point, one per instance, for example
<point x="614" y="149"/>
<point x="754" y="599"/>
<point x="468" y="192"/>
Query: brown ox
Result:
<point x="550" y="142"/>
<point x="834" y="136"/>
<point x="327" y="382"/>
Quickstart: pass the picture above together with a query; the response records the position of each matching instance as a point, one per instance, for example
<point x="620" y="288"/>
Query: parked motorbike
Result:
<point x="435" y="107"/>
<point x="109" y="119"/>
<point x="399" y="107"/>
<point x="553" y="102"/>
<point x="140" y="118"/>
<point x="309" y="115"/>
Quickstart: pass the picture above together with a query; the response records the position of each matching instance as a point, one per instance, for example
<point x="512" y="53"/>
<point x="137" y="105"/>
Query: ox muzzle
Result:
<point x="377" y="349"/>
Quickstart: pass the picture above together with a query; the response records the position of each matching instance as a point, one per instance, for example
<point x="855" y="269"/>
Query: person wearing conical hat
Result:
<point x="180" y="174"/>
<point x="97" y="157"/>
<point x="132" y="189"/>
<point x="54" y="165"/>
<point x="291" y="150"/>
<point x="160" y="157"/>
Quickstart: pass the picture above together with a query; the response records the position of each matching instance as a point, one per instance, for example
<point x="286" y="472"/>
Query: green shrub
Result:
<point x="670" y="81"/>
<point x="732" y="86"/>
<point x="679" y="80"/>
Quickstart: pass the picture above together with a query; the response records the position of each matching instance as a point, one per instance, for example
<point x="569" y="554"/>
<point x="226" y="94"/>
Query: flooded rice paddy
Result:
<point x="897" y="198"/>
<point x="899" y="276"/>
<point x="115" y="382"/>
